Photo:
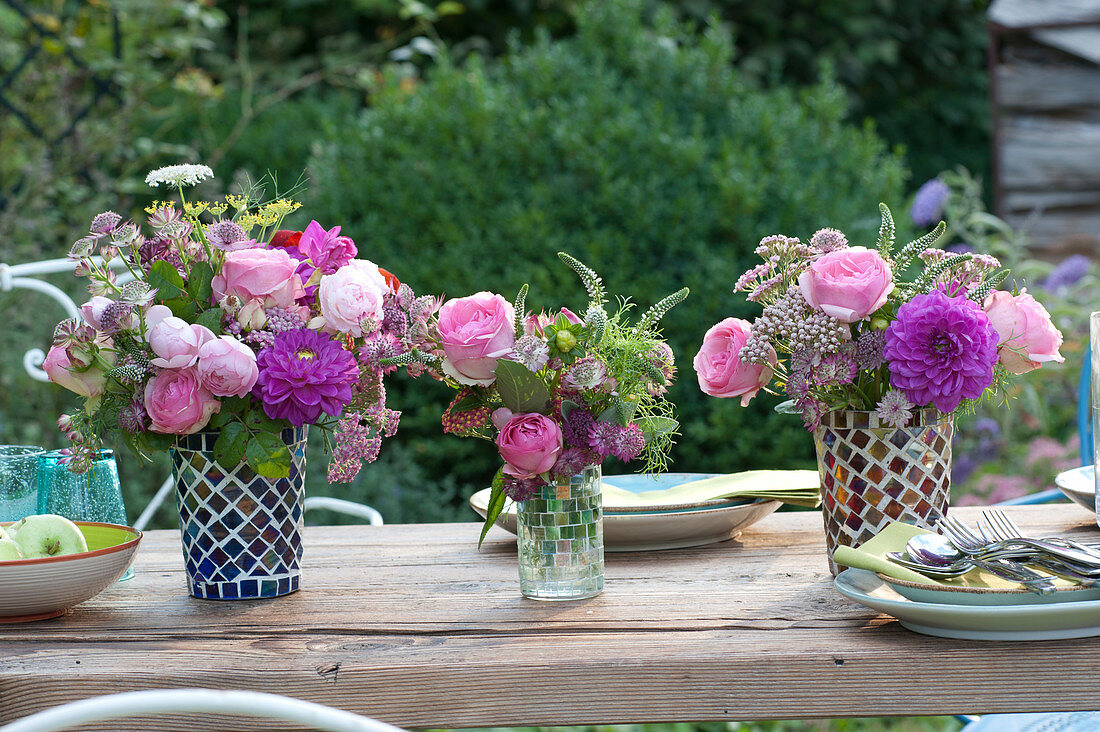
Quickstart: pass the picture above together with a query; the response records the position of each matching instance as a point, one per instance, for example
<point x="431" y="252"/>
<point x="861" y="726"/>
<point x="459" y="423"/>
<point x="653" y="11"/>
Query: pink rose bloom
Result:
<point x="1027" y="337"/>
<point x="848" y="284"/>
<point x="178" y="403"/>
<point x="227" y="367"/>
<point x="176" y="342"/>
<point x="718" y="363"/>
<point x="264" y="274"/>
<point x="93" y="310"/>
<point x="529" y="444"/>
<point x="475" y="332"/>
<point x="351" y="298"/>
<point x="62" y="371"/>
<point x="326" y="250"/>
<point x="534" y="323"/>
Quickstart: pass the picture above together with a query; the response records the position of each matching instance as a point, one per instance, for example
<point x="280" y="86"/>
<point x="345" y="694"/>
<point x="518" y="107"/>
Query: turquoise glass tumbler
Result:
<point x="91" y="496"/>
<point x="95" y="495"/>
<point x="19" y="481"/>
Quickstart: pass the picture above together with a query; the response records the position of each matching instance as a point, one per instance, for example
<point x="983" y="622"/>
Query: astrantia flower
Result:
<point x="105" y="222"/>
<point x="610" y="438"/>
<point x="928" y="203"/>
<point x="303" y="374"/>
<point x="531" y="351"/>
<point x="572" y="461"/>
<point x="520" y="489"/>
<point x="228" y="236"/>
<point x="941" y="350"/>
<point x="894" y="409"/>
<point x="585" y="373"/>
<point x="179" y="175"/>
<point x="576" y="427"/>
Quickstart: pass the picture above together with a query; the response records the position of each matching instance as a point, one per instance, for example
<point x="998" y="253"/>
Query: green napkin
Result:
<point x="798" y="487"/>
<point x="871" y="555"/>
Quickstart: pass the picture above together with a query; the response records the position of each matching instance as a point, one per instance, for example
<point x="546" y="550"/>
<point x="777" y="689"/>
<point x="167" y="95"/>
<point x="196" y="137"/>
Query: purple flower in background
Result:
<point x="304" y="373"/>
<point x="1068" y="271"/>
<point x="928" y="203"/>
<point x="941" y="350"/>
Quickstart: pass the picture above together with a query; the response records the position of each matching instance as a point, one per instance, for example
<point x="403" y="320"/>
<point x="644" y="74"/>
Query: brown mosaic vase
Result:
<point x="873" y="473"/>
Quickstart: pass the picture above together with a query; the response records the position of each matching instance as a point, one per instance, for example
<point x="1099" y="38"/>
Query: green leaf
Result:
<point x="449" y="7"/>
<point x="230" y="445"/>
<point x="520" y="389"/>
<point x="198" y="282"/>
<point x="268" y="455"/>
<point x="211" y="319"/>
<point x="468" y="402"/>
<point x="165" y="279"/>
<point x="620" y="412"/>
<point x="496" y="505"/>
<point x="654" y="427"/>
<point x="568" y="406"/>
<point x="183" y="307"/>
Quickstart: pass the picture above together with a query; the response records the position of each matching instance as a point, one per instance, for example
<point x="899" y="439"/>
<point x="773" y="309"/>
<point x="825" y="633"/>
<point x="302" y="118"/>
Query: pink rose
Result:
<point x="475" y="332"/>
<point x="227" y="367"/>
<point x="351" y="298"/>
<point x="848" y="284"/>
<point x="178" y="403"/>
<point x="529" y="444"/>
<point x="718" y="363"/>
<point x="1027" y="337"/>
<point x="93" y="310"/>
<point x="535" y="323"/>
<point x="326" y="250"/>
<point x="176" y="342"/>
<point x="266" y="274"/>
<point x="88" y="383"/>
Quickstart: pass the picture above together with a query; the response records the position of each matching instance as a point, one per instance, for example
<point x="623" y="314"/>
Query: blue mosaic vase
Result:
<point x="242" y="533"/>
<point x="560" y="538"/>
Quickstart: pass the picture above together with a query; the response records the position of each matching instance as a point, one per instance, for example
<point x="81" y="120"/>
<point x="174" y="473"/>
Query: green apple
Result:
<point x="9" y="550"/>
<point x="49" y="535"/>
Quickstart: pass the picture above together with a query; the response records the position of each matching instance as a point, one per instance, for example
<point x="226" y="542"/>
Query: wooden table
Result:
<point x="412" y="625"/>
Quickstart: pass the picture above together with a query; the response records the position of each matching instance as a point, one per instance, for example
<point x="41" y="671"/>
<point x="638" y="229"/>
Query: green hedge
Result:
<point x="634" y="145"/>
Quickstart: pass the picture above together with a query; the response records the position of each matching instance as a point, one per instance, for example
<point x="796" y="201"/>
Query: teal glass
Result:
<point x="19" y="481"/>
<point x="92" y="496"/>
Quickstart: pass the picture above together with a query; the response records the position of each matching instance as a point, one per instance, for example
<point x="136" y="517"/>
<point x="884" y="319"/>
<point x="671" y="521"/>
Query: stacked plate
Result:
<point x="1012" y="615"/>
<point x="1079" y="485"/>
<point x="663" y="526"/>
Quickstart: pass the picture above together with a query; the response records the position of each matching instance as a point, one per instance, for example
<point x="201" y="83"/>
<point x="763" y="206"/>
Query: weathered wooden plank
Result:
<point x="1047" y="86"/>
<point x="1028" y="201"/>
<point x="1038" y="153"/>
<point x="1025" y="13"/>
<point x="1083" y="42"/>
<point x="412" y="625"/>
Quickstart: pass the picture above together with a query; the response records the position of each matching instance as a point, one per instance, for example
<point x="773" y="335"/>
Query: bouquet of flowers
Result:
<point x="556" y="392"/>
<point x="843" y="329"/>
<point x="222" y="320"/>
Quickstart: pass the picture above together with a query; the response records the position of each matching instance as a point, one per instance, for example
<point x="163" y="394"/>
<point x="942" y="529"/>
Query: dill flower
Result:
<point x="179" y="175"/>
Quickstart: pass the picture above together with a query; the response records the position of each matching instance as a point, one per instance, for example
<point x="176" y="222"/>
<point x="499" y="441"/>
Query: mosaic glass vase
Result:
<point x="560" y="539"/>
<point x="242" y="533"/>
<point x="873" y="473"/>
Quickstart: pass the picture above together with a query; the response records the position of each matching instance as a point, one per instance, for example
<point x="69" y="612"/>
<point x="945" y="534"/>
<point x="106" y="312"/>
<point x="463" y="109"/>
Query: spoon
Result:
<point x="938" y="551"/>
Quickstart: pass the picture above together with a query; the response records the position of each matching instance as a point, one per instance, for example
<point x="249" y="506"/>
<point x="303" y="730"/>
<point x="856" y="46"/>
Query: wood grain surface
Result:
<point x="414" y="626"/>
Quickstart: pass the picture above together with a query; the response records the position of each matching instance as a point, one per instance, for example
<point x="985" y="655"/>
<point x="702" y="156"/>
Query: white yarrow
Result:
<point x="179" y="175"/>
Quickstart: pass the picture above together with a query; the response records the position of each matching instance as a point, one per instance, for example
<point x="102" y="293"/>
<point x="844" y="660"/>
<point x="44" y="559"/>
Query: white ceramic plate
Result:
<point x="973" y="622"/>
<point x="952" y="595"/>
<point x="35" y="589"/>
<point x="1079" y="485"/>
<point x="652" y="528"/>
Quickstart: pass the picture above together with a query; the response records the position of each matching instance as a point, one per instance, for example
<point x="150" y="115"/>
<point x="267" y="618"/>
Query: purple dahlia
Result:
<point x="304" y="373"/>
<point x="941" y="350"/>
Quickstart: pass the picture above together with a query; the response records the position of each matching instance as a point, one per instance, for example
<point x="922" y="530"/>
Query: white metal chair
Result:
<point x="197" y="701"/>
<point x="27" y="277"/>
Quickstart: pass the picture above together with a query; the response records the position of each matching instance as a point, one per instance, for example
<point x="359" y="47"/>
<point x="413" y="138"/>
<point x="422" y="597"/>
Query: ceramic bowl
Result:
<point x="35" y="589"/>
<point x="1079" y="485"/>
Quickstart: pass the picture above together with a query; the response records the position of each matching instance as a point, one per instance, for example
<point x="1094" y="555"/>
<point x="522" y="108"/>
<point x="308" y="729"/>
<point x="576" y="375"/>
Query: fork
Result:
<point x="1006" y="529"/>
<point x="967" y="541"/>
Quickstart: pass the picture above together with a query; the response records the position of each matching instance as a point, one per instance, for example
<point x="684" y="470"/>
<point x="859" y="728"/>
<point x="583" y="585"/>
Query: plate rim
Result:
<point x="701" y="509"/>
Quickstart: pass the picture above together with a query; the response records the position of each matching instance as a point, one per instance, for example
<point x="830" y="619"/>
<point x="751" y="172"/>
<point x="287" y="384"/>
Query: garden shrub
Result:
<point x="637" y="147"/>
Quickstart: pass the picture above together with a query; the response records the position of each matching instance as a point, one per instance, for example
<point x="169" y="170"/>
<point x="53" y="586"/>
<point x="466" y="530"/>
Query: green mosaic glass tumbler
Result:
<point x="560" y="538"/>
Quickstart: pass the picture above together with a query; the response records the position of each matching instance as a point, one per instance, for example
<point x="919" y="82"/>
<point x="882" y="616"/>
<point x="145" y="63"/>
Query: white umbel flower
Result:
<point x="179" y="175"/>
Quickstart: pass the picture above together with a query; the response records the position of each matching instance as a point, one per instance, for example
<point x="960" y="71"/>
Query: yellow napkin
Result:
<point x="798" y="487"/>
<point x="871" y="555"/>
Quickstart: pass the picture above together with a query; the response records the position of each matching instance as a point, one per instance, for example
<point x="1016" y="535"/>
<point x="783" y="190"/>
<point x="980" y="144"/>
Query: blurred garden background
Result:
<point x="462" y="144"/>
